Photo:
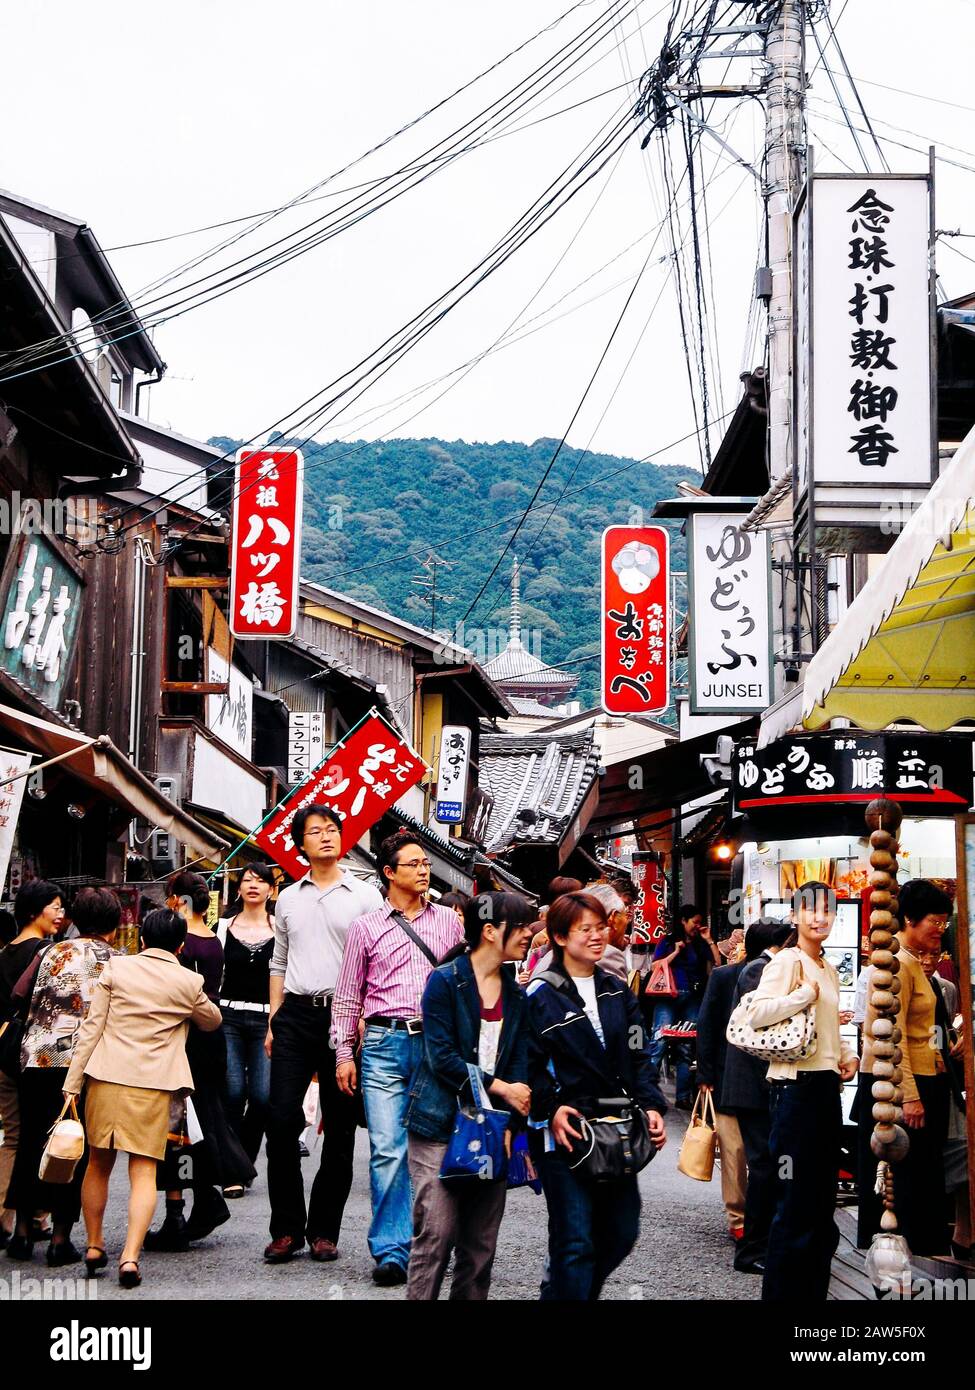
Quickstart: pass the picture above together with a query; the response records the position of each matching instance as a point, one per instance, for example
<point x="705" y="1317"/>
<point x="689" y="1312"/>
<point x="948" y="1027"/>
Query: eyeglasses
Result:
<point x="321" y="830"/>
<point x="414" y="864"/>
<point x="590" y="931"/>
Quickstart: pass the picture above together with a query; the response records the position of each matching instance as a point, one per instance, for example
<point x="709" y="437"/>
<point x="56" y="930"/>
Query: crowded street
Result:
<point x="487" y="717"/>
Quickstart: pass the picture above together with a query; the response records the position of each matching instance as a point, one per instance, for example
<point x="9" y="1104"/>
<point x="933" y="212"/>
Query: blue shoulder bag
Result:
<point x="476" y="1147"/>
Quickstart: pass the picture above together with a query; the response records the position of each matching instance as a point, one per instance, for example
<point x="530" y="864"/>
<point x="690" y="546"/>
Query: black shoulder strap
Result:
<point x="417" y="940"/>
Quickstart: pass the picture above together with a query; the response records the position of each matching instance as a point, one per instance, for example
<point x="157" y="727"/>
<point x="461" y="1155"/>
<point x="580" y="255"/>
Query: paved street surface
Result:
<point x="683" y="1252"/>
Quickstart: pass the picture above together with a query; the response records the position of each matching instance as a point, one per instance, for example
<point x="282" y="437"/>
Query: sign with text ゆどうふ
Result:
<point x="729" y="647"/>
<point x="634" y="620"/>
<point x="266" y="545"/>
<point x="363" y="779"/>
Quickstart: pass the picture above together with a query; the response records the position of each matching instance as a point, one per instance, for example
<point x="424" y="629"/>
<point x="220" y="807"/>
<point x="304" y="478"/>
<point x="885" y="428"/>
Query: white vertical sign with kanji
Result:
<point x="11" y="796"/>
<point x="729" y="647"/>
<point x="455" y="758"/>
<point x="266" y="546"/>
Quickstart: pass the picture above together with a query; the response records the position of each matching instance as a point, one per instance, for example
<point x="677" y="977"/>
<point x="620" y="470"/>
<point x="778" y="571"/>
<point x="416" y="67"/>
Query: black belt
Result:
<point x="413" y="1026"/>
<point x="314" y="1001"/>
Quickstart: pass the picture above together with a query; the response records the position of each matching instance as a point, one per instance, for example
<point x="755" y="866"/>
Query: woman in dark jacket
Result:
<point x="587" y="1043"/>
<point x="474" y="1013"/>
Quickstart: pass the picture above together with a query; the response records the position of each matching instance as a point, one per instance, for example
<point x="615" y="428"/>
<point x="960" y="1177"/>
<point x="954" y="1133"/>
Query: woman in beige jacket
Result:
<point x="131" y="1057"/>
<point x="806" y="1118"/>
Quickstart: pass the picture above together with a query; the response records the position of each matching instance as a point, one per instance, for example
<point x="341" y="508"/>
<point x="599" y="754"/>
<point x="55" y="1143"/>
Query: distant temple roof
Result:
<point x="516" y="669"/>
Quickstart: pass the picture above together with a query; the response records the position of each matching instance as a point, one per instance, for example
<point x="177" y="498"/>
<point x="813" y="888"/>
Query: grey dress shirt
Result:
<point x="310" y="928"/>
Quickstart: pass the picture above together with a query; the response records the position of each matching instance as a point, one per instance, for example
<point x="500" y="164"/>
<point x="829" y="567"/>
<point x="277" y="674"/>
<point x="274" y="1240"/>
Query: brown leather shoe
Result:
<point x="322" y="1249"/>
<point x="283" y="1249"/>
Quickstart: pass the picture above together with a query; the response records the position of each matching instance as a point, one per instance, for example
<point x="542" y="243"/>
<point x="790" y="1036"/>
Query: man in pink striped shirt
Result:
<point x="388" y="956"/>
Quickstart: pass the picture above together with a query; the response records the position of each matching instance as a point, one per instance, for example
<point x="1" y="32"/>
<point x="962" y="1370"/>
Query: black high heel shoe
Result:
<point x="20" y="1248"/>
<point x="93" y="1265"/>
<point x="129" y="1275"/>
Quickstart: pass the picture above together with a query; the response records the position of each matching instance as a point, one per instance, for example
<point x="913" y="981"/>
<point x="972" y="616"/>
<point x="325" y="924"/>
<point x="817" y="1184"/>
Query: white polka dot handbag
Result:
<point x="789" y="1040"/>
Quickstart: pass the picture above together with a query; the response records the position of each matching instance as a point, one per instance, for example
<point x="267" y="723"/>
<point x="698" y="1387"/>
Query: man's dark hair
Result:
<point x="387" y="858"/>
<point x="163" y="930"/>
<point x="191" y="887"/>
<point x="96" y="911"/>
<point x="562" y="885"/>
<point x="318" y="808"/>
<point x="764" y="934"/>
<point x="32" y="898"/>
<point x="921" y="898"/>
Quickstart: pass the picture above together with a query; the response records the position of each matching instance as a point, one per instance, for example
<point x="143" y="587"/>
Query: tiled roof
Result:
<point x="546" y="777"/>
<point x="524" y="705"/>
<point x="516" y="666"/>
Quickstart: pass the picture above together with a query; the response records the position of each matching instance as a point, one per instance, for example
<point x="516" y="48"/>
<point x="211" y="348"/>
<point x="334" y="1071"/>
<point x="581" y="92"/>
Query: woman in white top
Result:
<point x="805" y="1104"/>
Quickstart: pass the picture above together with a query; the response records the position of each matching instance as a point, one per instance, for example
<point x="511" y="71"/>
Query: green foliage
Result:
<point x="401" y="498"/>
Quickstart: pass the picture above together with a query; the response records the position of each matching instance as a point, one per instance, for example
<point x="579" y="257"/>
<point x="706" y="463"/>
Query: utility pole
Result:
<point x="785" y="151"/>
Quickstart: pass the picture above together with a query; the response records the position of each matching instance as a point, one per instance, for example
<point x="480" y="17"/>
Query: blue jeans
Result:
<point x="390" y="1058"/>
<point x="592" y="1227"/>
<point x="248" y="1076"/>
<point x="683" y="1009"/>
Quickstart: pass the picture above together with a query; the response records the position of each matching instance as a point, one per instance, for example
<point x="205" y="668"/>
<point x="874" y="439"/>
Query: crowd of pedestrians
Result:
<point x="482" y="1043"/>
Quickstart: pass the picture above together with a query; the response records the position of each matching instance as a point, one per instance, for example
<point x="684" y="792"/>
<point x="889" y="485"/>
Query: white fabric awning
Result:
<point x="97" y="762"/>
<point x="781" y="717"/>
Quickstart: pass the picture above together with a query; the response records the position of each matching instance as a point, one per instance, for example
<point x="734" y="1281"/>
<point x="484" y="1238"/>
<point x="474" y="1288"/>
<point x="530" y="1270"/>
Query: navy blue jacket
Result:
<point x="451" y="1031"/>
<point x="584" y="1070"/>
<point x="712" y="1027"/>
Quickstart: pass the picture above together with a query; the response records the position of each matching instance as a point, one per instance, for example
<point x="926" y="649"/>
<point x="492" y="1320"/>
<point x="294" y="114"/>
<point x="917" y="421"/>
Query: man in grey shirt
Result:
<point x="311" y="922"/>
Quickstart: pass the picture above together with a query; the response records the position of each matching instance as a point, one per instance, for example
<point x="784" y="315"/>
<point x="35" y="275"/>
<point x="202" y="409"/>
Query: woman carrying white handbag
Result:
<point x="805" y="1101"/>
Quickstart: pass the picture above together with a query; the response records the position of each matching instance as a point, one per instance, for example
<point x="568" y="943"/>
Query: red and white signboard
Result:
<point x="266" y="553"/>
<point x="634" y="620"/>
<point x="365" y="776"/>
<point x="649" y="914"/>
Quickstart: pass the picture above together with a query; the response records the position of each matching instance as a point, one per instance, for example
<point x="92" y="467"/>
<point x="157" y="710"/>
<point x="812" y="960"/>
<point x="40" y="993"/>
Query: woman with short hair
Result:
<point x="587" y="1044"/>
<point x="130" y="1057"/>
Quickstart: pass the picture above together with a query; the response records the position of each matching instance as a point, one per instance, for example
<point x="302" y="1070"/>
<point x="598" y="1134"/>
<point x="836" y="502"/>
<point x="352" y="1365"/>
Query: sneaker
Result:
<point x="388" y="1273"/>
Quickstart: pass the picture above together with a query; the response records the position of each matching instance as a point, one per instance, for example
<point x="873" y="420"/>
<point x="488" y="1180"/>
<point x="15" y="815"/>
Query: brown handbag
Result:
<point x="696" y="1158"/>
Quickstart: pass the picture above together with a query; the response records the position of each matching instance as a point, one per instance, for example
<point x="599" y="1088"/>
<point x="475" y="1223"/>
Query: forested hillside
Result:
<point x="375" y="511"/>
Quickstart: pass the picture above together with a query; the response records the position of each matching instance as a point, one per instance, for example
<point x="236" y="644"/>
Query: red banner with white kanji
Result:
<point x="365" y="777"/>
<point x="634" y="620"/>
<point x="266" y="543"/>
<point x="649" y="913"/>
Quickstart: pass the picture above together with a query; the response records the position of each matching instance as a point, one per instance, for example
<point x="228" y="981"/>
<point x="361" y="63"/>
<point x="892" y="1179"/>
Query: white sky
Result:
<point x="148" y="120"/>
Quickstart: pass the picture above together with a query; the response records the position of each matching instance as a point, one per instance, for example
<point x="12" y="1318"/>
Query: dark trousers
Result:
<point x="592" y="1227"/>
<point x="248" y="1076"/>
<point x="760" y="1194"/>
<point x="805" y="1147"/>
<point x="41" y="1099"/>
<point x="919" y="1179"/>
<point x="299" y="1049"/>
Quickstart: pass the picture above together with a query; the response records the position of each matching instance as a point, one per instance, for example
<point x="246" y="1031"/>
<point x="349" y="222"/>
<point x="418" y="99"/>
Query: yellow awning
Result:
<point x="905" y="648"/>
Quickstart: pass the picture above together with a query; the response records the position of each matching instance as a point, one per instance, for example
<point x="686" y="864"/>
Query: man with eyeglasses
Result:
<point x="311" y="923"/>
<point x="388" y="958"/>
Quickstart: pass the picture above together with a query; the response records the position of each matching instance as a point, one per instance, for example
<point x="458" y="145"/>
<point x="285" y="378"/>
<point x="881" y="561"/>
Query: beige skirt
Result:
<point x="129" y="1118"/>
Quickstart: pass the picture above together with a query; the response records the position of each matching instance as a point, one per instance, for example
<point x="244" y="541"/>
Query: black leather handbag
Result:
<point x="615" y="1141"/>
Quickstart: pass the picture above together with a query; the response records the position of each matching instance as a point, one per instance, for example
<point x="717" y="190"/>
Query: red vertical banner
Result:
<point x="649" y="915"/>
<point x="266" y="545"/>
<point x="365" y="777"/>
<point x="634" y="620"/>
